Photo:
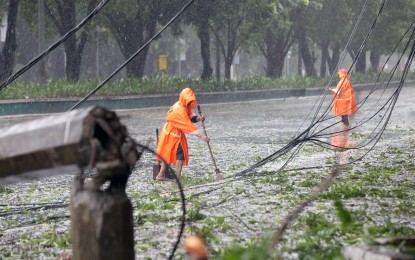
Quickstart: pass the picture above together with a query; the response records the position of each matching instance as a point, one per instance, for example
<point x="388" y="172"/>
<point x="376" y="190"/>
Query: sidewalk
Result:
<point x="36" y="106"/>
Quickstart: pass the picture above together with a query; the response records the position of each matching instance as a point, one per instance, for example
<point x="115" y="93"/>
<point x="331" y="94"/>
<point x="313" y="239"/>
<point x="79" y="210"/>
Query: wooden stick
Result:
<point x="157" y="143"/>
<point x="218" y="174"/>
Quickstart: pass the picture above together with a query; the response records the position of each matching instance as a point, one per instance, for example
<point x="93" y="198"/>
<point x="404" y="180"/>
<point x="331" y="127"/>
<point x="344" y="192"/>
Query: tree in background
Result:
<point x="200" y="15"/>
<point x="332" y="24"/>
<point x="7" y="54"/>
<point x="275" y="25"/>
<point x="268" y="28"/>
<point x="63" y="15"/>
<point x="133" y="23"/>
<point x="354" y="7"/>
<point x="231" y="29"/>
<point x="397" y="16"/>
<point x="304" y="23"/>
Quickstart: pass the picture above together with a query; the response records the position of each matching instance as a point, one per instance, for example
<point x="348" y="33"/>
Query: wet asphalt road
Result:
<point x="241" y="134"/>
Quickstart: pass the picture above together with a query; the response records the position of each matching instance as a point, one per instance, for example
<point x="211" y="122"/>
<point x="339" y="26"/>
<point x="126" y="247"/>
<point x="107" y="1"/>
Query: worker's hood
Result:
<point x="343" y="73"/>
<point x="186" y="96"/>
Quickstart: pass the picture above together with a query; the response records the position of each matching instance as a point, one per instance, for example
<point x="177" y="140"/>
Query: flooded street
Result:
<point x="378" y="190"/>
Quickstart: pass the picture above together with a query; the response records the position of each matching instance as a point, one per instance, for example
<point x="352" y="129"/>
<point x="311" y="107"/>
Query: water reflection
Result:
<point x="341" y="142"/>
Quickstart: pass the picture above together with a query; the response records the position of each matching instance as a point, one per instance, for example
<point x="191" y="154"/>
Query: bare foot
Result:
<point x="161" y="178"/>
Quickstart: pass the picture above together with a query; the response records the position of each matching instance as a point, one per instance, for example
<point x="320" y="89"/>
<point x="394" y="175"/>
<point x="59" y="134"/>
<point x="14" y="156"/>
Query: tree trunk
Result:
<point x="324" y="58"/>
<point x="228" y="64"/>
<point x="74" y="45"/>
<point x="129" y="39"/>
<point x="204" y="36"/>
<point x="7" y="55"/>
<point x="274" y="55"/>
<point x="274" y="67"/>
<point x="40" y="41"/>
<point x="135" y="69"/>
<point x="300" y="65"/>
<point x="231" y="49"/>
<point x="68" y="21"/>
<point x="374" y="60"/>
<point x="73" y="62"/>
<point x="334" y="59"/>
<point x="132" y="35"/>
<point x="217" y="43"/>
<point x="305" y="53"/>
<point x="361" y="62"/>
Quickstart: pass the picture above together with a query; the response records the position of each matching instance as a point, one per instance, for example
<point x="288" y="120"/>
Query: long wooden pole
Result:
<point x="218" y="174"/>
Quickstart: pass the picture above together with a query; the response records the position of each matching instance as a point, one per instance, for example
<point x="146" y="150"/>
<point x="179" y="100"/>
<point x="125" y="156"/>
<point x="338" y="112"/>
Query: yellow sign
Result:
<point x="163" y="62"/>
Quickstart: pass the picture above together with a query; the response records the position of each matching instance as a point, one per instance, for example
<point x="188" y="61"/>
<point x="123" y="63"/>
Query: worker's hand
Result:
<point x="205" y="138"/>
<point x="200" y="118"/>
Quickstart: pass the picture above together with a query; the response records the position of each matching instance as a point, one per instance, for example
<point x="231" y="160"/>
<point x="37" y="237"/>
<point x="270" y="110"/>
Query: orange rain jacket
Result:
<point x="178" y="123"/>
<point x="344" y="101"/>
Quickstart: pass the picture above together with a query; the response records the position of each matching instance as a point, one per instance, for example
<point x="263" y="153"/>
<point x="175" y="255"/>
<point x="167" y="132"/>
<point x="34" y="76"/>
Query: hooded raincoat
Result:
<point x="344" y="100"/>
<point x="178" y="123"/>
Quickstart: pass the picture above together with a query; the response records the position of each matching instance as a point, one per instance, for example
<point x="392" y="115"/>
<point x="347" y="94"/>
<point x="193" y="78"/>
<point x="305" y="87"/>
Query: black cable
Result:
<point x="322" y="95"/>
<point x="182" y="198"/>
<point x="299" y="139"/>
<point x="363" y="121"/>
<point x="321" y="118"/>
<point x="384" y="65"/>
<point x="132" y="57"/>
<point x="53" y="46"/>
<point x="393" y="99"/>
<point x="354" y="61"/>
<point x="313" y="122"/>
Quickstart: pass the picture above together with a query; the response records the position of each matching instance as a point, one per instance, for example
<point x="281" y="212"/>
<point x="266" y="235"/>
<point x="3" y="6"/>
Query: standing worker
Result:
<point x="172" y="146"/>
<point x="344" y="103"/>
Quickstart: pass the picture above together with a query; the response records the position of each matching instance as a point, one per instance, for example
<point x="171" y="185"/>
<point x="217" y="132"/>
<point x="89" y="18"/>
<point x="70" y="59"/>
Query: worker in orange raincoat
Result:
<point x="172" y="146"/>
<point x="344" y="103"/>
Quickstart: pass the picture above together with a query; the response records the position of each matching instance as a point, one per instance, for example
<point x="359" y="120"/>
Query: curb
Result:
<point x="36" y="106"/>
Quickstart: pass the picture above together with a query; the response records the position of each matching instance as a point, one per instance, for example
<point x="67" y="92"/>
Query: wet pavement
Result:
<point x="230" y="212"/>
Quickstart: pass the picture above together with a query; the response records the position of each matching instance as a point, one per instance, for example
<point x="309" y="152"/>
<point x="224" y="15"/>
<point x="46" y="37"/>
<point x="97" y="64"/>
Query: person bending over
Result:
<point x="172" y="147"/>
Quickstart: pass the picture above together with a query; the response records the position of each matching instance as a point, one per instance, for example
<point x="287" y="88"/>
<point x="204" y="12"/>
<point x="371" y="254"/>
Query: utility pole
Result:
<point x="41" y="40"/>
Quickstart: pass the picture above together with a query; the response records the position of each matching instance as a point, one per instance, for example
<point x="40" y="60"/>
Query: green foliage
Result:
<point x="133" y="86"/>
<point x="6" y="190"/>
<point x="342" y="213"/>
<point x="193" y="181"/>
<point x="152" y="208"/>
<point x="219" y="222"/>
<point x="194" y="214"/>
<point x="206" y="232"/>
<point x="41" y="219"/>
<point x="255" y="251"/>
<point x="50" y="239"/>
<point x="343" y="191"/>
<point x="308" y="183"/>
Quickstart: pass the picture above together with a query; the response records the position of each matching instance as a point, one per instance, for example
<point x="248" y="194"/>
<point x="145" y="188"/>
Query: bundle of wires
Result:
<point x="313" y="133"/>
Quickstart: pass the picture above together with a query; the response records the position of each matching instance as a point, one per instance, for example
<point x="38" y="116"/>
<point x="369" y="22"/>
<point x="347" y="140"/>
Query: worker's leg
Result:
<point x="179" y="160"/>
<point x="162" y="171"/>
<point x="345" y="120"/>
<point x="179" y="166"/>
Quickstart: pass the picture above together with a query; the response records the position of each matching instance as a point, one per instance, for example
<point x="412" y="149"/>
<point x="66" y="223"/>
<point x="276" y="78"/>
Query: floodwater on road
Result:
<point x="235" y="212"/>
